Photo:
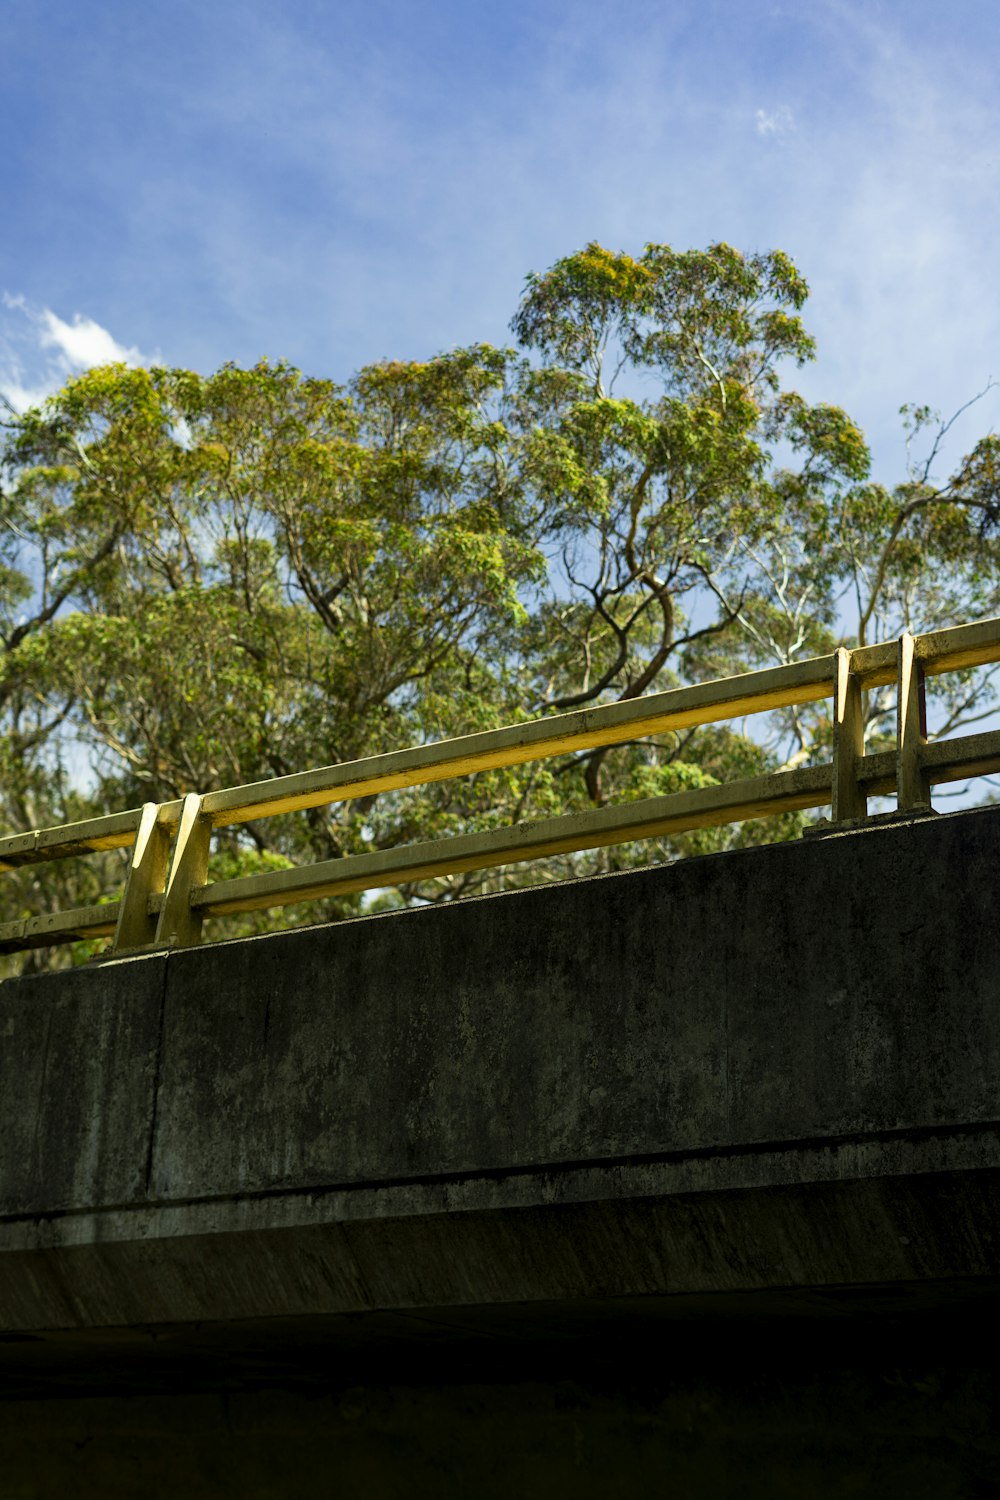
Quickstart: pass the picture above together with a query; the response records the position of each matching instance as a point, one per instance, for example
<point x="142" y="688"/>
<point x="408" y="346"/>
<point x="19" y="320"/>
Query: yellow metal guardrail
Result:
<point x="167" y="895"/>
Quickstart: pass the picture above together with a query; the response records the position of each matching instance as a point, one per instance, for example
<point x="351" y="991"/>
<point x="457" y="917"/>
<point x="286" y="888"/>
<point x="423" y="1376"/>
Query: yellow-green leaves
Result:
<point x="213" y="579"/>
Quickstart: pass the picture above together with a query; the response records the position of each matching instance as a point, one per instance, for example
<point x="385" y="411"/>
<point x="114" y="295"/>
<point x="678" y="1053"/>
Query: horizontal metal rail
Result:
<point x="623" y="823"/>
<point x="161" y="909"/>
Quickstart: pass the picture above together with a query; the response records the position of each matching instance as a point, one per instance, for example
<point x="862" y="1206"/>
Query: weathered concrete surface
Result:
<point x="78" y="1061"/>
<point x="770" y="1069"/>
<point x="796" y="993"/>
<point x="681" y="1183"/>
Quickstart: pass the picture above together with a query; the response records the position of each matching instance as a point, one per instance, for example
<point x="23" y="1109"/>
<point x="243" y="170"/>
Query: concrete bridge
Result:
<point x="680" y="1182"/>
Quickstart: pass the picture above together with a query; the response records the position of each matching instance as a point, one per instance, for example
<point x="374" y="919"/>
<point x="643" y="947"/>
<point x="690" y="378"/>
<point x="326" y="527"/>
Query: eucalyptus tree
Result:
<point x="208" y="580"/>
<point x="711" y="520"/>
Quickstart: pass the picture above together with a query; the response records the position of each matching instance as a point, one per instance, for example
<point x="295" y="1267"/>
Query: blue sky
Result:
<point x="338" y="182"/>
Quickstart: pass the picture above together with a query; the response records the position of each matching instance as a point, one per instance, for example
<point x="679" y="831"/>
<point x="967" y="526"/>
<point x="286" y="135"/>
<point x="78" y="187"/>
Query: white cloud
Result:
<point x="19" y="396"/>
<point x="39" y="351"/>
<point x="83" y="343"/>
<point x="776" y="121"/>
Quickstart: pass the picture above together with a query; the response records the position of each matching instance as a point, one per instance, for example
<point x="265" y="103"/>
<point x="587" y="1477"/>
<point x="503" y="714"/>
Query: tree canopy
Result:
<point x="209" y="580"/>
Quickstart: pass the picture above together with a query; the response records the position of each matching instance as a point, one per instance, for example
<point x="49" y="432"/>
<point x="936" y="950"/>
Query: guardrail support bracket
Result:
<point x="178" y="925"/>
<point x="147" y="875"/>
<point x="913" y="792"/>
<point x="849" y="800"/>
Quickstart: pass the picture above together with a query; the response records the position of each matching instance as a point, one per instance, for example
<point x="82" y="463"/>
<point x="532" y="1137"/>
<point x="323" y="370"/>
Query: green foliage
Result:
<point x="211" y="580"/>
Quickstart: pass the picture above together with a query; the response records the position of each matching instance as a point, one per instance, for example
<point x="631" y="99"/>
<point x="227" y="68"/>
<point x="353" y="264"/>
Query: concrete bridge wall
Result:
<point x="627" y="1133"/>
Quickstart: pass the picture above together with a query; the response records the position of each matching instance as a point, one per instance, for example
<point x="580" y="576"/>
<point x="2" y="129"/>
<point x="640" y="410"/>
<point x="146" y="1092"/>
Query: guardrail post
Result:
<point x="849" y="800"/>
<point x="913" y="792"/>
<point x="178" y="924"/>
<point x="147" y="873"/>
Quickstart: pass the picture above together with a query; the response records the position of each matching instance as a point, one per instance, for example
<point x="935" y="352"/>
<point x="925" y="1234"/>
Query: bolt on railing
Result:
<point x="167" y="895"/>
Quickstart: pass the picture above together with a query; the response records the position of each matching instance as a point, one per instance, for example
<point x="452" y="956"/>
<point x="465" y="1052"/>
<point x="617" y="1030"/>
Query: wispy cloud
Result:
<point x="83" y="343"/>
<point x="895" y="223"/>
<point x="39" y="350"/>
<point x="775" y="121"/>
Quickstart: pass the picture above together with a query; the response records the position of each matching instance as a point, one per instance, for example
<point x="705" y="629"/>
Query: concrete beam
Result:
<point x="761" y="1072"/>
